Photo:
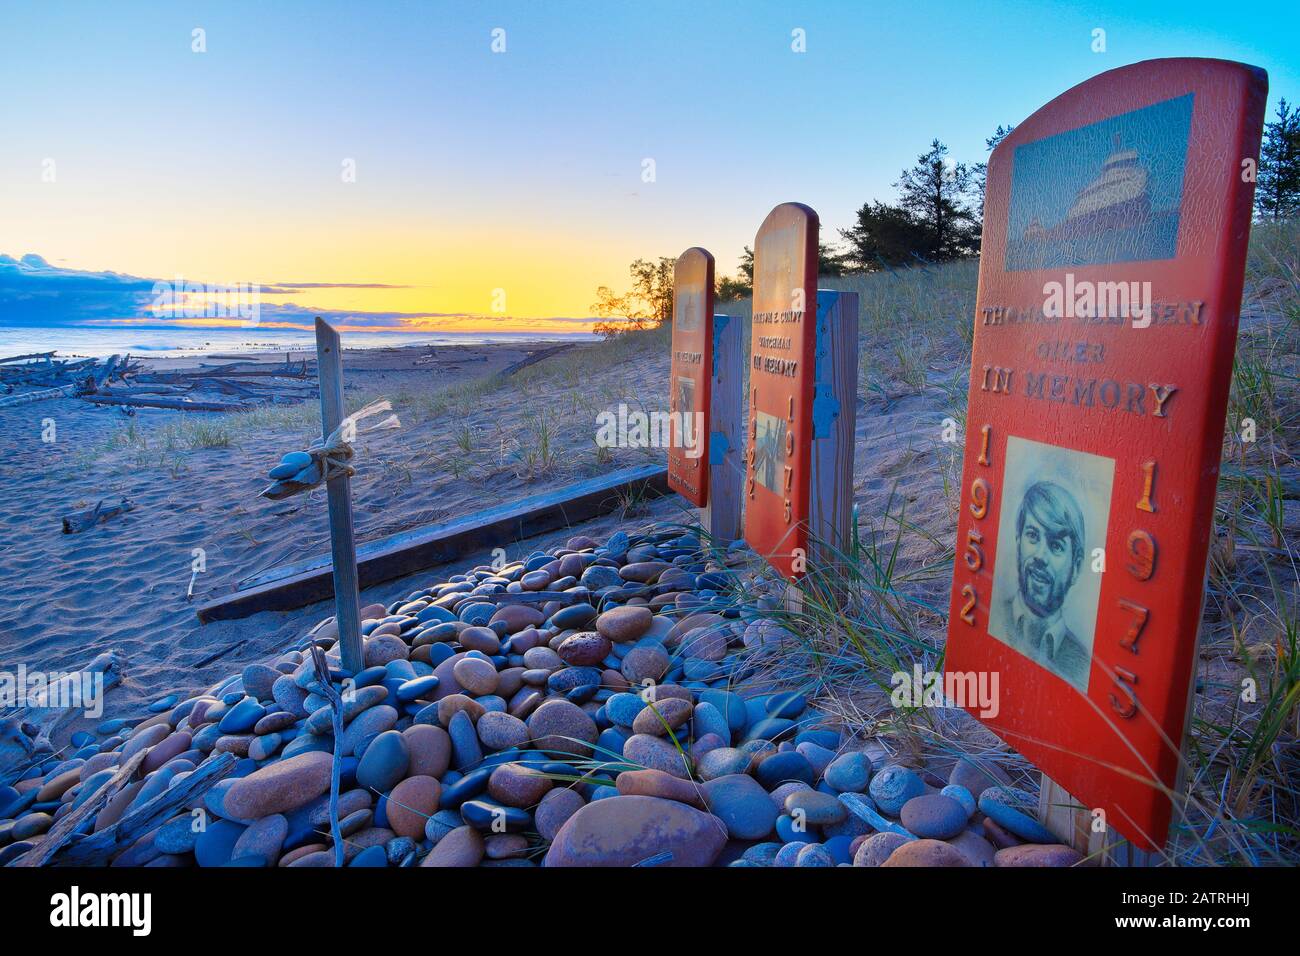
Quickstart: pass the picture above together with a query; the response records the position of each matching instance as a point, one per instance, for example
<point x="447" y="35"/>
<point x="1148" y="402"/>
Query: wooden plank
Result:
<point x="293" y="586"/>
<point x="721" y="516"/>
<point x="343" y="545"/>
<point x="835" y="404"/>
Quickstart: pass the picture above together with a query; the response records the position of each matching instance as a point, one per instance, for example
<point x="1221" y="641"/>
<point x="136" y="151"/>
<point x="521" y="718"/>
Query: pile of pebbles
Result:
<point x="590" y="706"/>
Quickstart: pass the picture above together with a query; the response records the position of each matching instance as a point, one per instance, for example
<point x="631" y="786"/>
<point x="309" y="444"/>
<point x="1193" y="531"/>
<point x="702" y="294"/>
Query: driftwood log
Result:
<point x="98" y="848"/>
<point x="81" y="520"/>
<point x="173" y="403"/>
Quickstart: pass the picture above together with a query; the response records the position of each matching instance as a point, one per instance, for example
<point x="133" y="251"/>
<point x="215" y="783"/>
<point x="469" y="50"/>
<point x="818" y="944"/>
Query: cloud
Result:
<point x="34" y="293"/>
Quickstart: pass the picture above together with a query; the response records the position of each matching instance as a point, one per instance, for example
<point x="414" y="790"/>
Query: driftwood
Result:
<point x="330" y="693"/>
<point x="27" y="357"/>
<point x="66" y="828"/>
<point x="81" y="520"/>
<point x="534" y="358"/>
<point x="172" y="403"/>
<point x="98" y="848"/>
<point x="44" y="394"/>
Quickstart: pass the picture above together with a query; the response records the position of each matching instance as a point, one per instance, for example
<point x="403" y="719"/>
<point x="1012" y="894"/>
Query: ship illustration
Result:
<point x="1117" y="198"/>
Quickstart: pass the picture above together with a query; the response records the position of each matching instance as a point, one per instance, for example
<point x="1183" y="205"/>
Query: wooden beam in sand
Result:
<point x="296" y="585"/>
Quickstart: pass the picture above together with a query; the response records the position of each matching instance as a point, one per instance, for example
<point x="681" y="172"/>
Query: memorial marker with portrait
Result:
<point x="1116" y="222"/>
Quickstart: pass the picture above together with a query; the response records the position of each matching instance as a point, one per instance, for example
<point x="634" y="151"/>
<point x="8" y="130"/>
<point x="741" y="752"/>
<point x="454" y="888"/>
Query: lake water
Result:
<point x="166" y="342"/>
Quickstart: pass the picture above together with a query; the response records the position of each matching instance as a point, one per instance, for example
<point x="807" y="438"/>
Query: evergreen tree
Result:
<point x="1277" y="186"/>
<point x="934" y="191"/>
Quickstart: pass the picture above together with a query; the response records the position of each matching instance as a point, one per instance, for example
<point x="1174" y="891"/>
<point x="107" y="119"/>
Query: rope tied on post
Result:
<point x="326" y="458"/>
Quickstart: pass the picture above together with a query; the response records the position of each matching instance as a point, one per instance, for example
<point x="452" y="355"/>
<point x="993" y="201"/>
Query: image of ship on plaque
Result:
<point x="1107" y="192"/>
<point x="1045" y="586"/>
<point x="769" y="451"/>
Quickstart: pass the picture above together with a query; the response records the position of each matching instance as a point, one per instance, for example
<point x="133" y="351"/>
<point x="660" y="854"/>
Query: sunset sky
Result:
<point x="519" y="171"/>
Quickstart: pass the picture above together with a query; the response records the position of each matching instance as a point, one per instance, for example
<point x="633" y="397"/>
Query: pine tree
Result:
<point x="934" y="192"/>
<point x="1277" y="186"/>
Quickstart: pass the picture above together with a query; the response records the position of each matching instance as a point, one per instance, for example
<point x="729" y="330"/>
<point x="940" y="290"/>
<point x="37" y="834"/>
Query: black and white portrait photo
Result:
<point x="1055" y="505"/>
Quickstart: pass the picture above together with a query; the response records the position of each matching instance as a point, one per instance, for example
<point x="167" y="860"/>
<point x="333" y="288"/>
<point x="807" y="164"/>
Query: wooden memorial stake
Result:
<point x="802" y="406"/>
<point x="704" y="389"/>
<point x="720" y="516"/>
<point x="347" y="601"/>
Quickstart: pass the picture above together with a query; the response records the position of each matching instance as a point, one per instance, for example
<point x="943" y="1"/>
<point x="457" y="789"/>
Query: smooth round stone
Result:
<point x="731" y="706"/>
<point x="817" y="755"/>
<point x="555" y="809"/>
<point x="109" y="727"/>
<point x="482" y="639"/>
<point x="163" y="703"/>
<point x="814" y="807"/>
<point x="435" y="613"/>
<point x="465" y="749"/>
<point x="1038" y="854"/>
<point x="788" y="855"/>
<point x="722" y="762"/>
<point x="476" y="675"/>
<point x="506" y="846"/>
<point x="30" y="825"/>
<point x="933" y="816"/>
<point x="264" y="747"/>
<point x="657" y="783"/>
<point x="516" y="617"/>
<point x="429" y="747"/>
<point x="264" y="838"/>
<point x="788" y="705"/>
<point x="411" y="803"/>
<point x="643" y="572"/>
<point x="542" y="658"/>
<point x="279" y="786"/>
<point x="416" y="688"/>
<point x="663" y="716"/>
<point x="977" y="777"/>
<point x="707" y="719"/>
<point x="814" y="854"/>
<point x="623" y="708"/>
<point x="742" y="804"/>
<point x="499" y="730"/>
<point x="274" y="723"/>
<point x="369" y="858"/>
<point x="598" y="577"/>
<point x="477" y="614"/>
<point x="701" y="670"/>
<point x="893" y="787"/>
<point x="573" y="617"/>
<point x="962" y="796"/>
<point x="484" y="815"/>
<point x="777" y="768"/>
<point x="626" y="830"/>
<point x="584" y="649"/>
<point x="381" y="649"/>
<point x="655" y="753"/>
<point x="622" y="625"/>
<point x="216" y="844"/>
<point x="461" y="847"/>
<point x="384" y="763"/>
<point x="367" y="725"/>
<point x="572" y="678"/>
<point x="849" y="772"/>
<point x="645" y="664"/>
<point x="771" y="728"/>
<point x="518" y="785"/>
<point x="877" y="848"/>
<point x="977" y="850"/>
<point x="1015" y="810"/>
<point x="562" y="728"/>
<point x="535" y="580"/>
<point x="926" y="853"/>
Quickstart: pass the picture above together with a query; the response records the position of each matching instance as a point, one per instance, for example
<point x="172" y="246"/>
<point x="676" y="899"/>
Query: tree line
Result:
<point x="936" y="216"/>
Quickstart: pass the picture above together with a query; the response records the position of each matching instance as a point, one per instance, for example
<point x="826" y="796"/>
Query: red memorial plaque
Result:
<point x="691" y="376"/>
<point x="1115" y="235"/>
<point x="781" y="378"/>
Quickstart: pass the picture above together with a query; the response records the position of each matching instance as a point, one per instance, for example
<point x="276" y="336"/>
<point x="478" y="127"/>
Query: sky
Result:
<point x="387" y="158"/>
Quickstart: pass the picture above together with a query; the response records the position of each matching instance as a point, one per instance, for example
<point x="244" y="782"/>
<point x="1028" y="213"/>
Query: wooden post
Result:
<point x="835" y="417"/>
<point x="720" y="518"/>
<point x="1071" y="821"/>
<point x="347" y="602"/>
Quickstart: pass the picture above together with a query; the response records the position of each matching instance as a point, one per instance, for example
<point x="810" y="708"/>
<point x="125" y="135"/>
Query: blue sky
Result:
<point x="519" y="171"/>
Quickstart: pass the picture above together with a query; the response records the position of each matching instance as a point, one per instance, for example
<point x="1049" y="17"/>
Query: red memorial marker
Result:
<point x="1115" y="233"/>
<point x="691" y="376"/>
<point x="781" y="378"/>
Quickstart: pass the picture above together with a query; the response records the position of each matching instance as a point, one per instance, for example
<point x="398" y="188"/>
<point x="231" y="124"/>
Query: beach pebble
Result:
<point x="622" y="831"/>
<point x="584" y="649"/>
<point x="656" y="753"/>
<point x="1038" y="854"/>
<point x="555" y="809"/>
<point x="384" y="763"/>
<point x="663" y="716"/>
<point x="429" y="749"/>
<point x="463" y="846"/>
<point x="476" y="675"/>
<point x="1017" y="811"/>
<point x="279" y="787"/>
<point x="562" y="728"/>
<point x="517" y="785"/>
<point x="877" y="848"/>
<point x="622" y="625"/>
<point x="849" y="772"/>
<point x="977" y="850"/>
<point x="933" y="816"/>
<point x="499" y="731"/>
<point x="410" y="804"/>
<point x="926" y="853"/>
<point x="742" y="804"/>
<point x="893" y="786"/>
<point x="815" y="808"/>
